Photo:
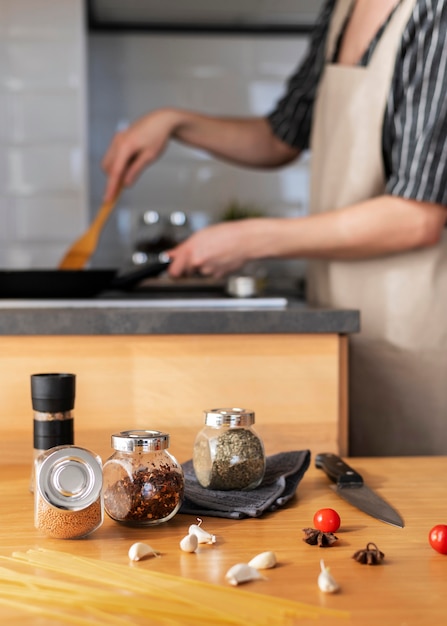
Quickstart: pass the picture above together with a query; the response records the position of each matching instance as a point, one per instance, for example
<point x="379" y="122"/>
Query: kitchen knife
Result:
<point x="350" y="486"/>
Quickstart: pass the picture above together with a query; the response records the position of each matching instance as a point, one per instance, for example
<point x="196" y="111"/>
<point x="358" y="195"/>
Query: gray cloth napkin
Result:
<point x="282" y="475"/>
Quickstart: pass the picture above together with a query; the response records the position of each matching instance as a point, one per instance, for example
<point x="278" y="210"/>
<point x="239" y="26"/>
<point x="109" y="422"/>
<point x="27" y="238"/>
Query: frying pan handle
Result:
<point x="150" y="270"/>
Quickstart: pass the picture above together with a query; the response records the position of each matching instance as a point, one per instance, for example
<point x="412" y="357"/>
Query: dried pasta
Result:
<point x="88" y="592"/>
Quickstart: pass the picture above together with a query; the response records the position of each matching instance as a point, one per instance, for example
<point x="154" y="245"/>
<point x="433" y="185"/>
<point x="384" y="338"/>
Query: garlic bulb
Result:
<point x="242" y="573"/>
<point x="264" y="560"/>
<point x="189" y="543"/>
<point x="202" y="535"/>
<point x="138" y="551"/>
<point x="326" y="582"/>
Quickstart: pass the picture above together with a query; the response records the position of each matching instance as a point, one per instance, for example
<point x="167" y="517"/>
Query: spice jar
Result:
<point x="143" y="482"/>
<point x="52" y="397"/>
<point x="68" y="492"/>
<point x="228" y="454"/>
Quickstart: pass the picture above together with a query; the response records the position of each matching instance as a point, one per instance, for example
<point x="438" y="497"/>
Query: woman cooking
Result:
<point x="370" y="101"/>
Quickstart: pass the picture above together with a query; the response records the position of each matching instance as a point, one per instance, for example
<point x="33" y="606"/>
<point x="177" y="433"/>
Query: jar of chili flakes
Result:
<point x="143" y="482"/>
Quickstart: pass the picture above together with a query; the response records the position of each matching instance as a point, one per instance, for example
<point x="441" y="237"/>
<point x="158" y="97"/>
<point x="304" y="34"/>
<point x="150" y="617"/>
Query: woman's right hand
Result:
<point x="131" y="150"/>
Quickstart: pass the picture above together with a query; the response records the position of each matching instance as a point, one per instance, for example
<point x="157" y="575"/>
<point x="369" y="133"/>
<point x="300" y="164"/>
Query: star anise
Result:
<point x="371" y="555"/>
<point x="316" y="537"/>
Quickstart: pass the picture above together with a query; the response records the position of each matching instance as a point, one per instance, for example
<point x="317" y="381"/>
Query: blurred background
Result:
<point x="73" y="72"/>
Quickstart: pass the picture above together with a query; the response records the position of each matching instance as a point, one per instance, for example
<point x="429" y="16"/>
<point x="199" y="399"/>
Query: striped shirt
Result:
<point x="414" y="136"/>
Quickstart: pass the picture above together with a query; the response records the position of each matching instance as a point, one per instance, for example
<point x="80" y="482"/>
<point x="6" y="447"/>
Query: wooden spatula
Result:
<point x="82" y="249"/>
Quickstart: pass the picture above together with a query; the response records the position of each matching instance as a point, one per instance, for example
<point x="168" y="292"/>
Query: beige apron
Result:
<point x="398" y="363"/>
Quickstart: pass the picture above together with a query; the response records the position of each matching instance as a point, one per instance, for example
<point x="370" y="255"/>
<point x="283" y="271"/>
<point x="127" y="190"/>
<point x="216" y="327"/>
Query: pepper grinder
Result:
<point x="53" y="397"/>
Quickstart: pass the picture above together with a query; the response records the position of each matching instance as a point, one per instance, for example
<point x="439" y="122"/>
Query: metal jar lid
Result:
<point x="243" y="286"/>
<point x="143" y="440"/>
<point x="70" y="478"/>
<point x="229" y="417"/>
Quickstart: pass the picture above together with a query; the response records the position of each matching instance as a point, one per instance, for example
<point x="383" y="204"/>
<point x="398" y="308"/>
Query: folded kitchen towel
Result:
<point x="282" y="475"/>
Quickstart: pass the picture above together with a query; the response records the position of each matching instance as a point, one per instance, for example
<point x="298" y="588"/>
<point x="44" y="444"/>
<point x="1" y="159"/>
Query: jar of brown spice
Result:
<point x="143" y="482"/>
<point x="68" y="492"/>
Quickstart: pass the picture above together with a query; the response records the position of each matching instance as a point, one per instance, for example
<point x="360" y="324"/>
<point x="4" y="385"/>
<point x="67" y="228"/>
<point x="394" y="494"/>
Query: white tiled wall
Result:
<point x="43" y="142"/>
<point x="130" y="74"/>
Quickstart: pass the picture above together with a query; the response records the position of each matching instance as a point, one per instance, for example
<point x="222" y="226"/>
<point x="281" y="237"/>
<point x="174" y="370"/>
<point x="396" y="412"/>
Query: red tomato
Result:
<point x="438" y="538"/>
<point x="327" y="520"/>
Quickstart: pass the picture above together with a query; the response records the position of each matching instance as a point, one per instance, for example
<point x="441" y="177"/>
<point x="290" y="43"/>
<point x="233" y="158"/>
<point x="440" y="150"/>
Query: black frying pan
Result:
<point x="72" y="283"/>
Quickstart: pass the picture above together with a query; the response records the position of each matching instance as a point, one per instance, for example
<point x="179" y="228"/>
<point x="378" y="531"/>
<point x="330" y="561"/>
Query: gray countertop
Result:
<point x="151" y="315"/>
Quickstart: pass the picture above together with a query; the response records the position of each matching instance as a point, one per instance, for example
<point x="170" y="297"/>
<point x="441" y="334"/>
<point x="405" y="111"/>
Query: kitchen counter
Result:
<point x="155" y="315"/>
<point x="408" y="588"/>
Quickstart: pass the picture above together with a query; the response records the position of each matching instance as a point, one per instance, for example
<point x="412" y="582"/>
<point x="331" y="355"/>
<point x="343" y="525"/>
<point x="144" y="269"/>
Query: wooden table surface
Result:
<point x="409" y="587"/>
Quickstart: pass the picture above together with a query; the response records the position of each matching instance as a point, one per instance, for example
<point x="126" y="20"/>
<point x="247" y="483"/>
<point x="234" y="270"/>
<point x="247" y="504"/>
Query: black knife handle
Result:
<point x="338" y="470"/>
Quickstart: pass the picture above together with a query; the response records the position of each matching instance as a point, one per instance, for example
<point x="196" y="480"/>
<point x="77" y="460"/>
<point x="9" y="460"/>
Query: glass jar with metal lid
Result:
<point x="68" y="492"/>
<point x="143" y="482"/>
<point x="228" y="454"/>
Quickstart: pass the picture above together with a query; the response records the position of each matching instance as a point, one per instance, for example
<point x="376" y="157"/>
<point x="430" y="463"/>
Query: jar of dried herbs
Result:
<point x="228" y="454"/>
<point x="143" y="482"/>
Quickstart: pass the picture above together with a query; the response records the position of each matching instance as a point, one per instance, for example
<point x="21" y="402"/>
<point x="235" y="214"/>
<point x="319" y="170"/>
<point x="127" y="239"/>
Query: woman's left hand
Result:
<point x="213" y="251"/>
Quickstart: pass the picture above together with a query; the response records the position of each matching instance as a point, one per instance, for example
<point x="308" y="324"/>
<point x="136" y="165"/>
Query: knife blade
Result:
<point x="350" y="486"/>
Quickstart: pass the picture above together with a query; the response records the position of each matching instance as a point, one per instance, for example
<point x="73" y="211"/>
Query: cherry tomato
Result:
<point x="438" y="538"/>
<point x="327" y="520"/>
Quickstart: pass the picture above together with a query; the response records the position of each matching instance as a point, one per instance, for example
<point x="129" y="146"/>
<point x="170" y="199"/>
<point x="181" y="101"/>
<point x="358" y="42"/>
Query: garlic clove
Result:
<point x="138" y="551"/>
<point x="189" y="543"/>
<point x="202" y="535"/>
<point x="264" y="560"/>
<point x="326" y="582"/>
<point x="242" y="573"/>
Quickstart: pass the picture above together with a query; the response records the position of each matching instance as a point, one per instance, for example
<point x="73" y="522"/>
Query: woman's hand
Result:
<point x="136" y="147"/>
<point x="214" y="251"/>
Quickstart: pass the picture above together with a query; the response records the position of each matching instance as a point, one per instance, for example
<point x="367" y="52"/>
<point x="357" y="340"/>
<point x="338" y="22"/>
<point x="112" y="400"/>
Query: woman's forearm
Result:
<point x="242" y="141"/>
<point x="376" y="227"/>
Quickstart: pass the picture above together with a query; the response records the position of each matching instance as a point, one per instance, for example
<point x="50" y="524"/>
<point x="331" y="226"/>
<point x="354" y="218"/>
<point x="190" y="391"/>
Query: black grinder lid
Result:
<point x="53" y="393"/>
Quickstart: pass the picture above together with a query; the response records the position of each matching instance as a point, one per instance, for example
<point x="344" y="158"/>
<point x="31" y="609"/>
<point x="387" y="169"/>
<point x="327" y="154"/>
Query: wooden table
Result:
<point x="408" y="588"/>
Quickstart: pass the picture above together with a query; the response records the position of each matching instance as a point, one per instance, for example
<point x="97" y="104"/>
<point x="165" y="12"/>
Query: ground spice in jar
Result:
<point x="68" y="492"/>
<point x="228" y="454"/>
<point x="62" y="524"/>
